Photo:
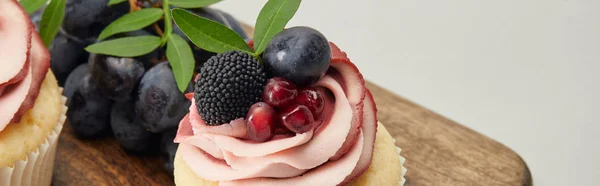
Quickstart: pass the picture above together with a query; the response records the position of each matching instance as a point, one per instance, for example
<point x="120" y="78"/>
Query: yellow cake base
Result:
<point x="386" y="166"/>
<point x="18" y="139"/>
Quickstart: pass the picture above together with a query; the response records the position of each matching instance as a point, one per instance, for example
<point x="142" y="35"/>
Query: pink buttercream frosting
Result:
<point x="25" y="63"/>
<point x="334" y="153"/>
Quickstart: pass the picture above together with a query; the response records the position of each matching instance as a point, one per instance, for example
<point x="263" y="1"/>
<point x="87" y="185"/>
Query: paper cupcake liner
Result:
<point x="402" y="160"/>
<point x="403" y="173"/>
<point x="37" y="167"/>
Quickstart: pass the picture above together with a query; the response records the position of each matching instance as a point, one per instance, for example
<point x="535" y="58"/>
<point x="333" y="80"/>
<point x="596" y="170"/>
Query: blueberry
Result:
<point x="127" y="129"/>
<point x="66" y="53"/>
<point x="159" y="103"/>
<point x="201" y="55"/>
<point x="89" y="111"/>
<point x="74" y="80"/>
<point x="116" y="77"/>
<point x="87" y="18"/>
<point x="168" y="149"/>
<point x="299" y="54"/>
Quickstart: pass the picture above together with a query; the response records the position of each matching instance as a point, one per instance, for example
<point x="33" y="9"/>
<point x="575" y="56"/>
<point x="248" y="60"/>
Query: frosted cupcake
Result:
<point x="279" y="144"/>
<point x="31" y="105"/>
<point x="301" y="117"/>
<point x="289" y="109"/>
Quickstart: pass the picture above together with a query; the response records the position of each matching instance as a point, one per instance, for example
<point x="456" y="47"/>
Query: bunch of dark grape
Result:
<point x="136" y="100"/>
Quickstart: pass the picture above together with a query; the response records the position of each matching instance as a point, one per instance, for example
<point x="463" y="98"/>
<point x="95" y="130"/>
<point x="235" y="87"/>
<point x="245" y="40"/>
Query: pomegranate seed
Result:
<point x="279" y="92"/>
<point x="280" y="129"/>
<point x="312" y="99"/>
<point x="260" y="121"/>
<point x="297" y="118"/>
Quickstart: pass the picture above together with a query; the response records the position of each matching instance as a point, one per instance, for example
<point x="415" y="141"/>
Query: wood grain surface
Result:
<point x="438" y="152"/>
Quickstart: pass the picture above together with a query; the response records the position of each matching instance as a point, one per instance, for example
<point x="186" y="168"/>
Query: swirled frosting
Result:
<point x="25" y="63"/>
<point x="337" y="151"/>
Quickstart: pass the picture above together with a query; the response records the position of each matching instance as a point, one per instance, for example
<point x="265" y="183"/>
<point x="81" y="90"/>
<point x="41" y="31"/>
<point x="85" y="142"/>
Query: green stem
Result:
<point x="168" y="22"/>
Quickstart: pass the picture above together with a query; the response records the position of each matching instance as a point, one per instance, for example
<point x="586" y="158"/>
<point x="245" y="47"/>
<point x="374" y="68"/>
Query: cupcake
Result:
<point x="292" y="112"/>
<point x="31" y="105"/>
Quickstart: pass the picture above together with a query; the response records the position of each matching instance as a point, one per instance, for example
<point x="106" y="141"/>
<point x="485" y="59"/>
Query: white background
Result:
<point x="523" y="72"/>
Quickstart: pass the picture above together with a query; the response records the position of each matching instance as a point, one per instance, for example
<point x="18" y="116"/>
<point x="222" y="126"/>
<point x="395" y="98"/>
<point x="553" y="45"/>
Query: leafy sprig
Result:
<point x="52" y="16"/>
<point x="132" y="21"/>
<point x="272" y="19"/>
<point x="114" y="2"/>
<point x="31" y="6"/>
<point x="209" y="35"/>
<point x="178" y="51"/>
<point x="215" y="37"/>
<point x="204" y="33"/>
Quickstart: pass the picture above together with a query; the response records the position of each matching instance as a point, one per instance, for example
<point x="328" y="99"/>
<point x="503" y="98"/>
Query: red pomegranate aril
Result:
<point x="312" y="99"/>
<point x="280" y="129"/>
<point x="279" y="92"/>
<point x="297" y="118"/>
<point x="261" y="121"/>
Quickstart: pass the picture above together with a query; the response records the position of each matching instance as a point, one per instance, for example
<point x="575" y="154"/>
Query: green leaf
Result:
<point x="207" y="34"/>
<point x="181" y="58"/>
<point x="31" y="6"/>
<point x="132" y="21"/>
<point x="51" y="20"/>
<point x="114" y="2"/>
<point x="272" y="19"/>
<point x="193" y="3"/>
<point x="126" y="47"/>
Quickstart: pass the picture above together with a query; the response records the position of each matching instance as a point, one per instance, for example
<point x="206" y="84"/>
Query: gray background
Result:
<point x="523" y="72"/>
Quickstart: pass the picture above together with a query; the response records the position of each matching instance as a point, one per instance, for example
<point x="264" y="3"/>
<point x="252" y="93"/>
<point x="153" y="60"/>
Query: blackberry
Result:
<point x="229" y="84"/>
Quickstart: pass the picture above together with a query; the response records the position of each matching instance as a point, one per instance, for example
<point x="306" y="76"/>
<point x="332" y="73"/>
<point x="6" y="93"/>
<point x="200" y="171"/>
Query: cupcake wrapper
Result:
<point x="402" y="160"/>
<point x="37" y="168"/>
<point x="403" y="173"/>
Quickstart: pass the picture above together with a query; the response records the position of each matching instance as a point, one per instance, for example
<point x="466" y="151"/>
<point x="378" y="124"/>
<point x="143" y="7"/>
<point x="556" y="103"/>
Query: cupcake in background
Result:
<point x="32" y="110"/>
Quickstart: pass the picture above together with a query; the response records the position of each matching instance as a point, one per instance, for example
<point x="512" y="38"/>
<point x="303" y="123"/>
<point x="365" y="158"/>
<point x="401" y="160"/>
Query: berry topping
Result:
<point x="280" y="129"/>
<point x="312" y="99"/>
<point x="261" y="121"/>
<point x="300" y="54"/>
<point x="279" y="92"/>
<point x="297" y="118"/>
<point x="229" y="84"/>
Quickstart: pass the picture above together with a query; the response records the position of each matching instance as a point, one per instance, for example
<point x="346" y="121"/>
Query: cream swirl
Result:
<point x="25" y="63"/>
<point x="335" y="152"/>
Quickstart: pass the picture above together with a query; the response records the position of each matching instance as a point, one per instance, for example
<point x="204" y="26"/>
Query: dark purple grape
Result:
<point x="168" y="149"/>
<point x="116" y="77"/>
<point x="127" y="129"/>
<point x="66" y="53"/>
<point x="159" y="103"/>
<point x="74" y="79"/>
<point x="89" y="110"/>
<point x="87" y="18"/>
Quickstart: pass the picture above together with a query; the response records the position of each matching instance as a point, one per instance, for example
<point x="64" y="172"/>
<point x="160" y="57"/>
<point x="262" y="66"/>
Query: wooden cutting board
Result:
<point x="438" y="152"/>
